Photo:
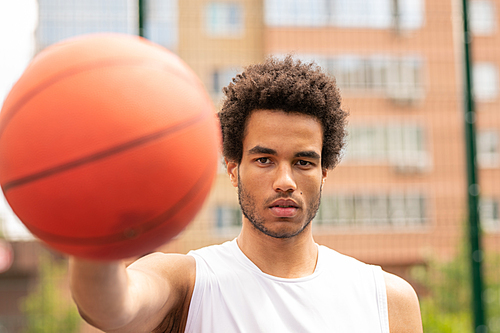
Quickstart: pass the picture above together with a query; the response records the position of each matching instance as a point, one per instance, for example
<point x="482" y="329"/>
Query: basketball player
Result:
<point x="283" y="130"/>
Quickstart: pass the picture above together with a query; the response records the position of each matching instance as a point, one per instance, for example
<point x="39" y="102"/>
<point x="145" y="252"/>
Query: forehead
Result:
<point x="278" y="128"/>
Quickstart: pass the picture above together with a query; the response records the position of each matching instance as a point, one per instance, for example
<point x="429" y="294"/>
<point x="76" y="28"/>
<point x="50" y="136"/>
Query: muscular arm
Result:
<point x="404" y="309"/>
<point x="137" y="298"/>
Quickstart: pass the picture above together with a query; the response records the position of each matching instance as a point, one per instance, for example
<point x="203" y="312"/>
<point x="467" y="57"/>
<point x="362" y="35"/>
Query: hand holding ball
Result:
<point x="108" y="146"/>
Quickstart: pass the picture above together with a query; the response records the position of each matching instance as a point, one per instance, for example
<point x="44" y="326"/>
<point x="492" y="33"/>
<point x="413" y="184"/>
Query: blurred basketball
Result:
<point x="108" y="146"/>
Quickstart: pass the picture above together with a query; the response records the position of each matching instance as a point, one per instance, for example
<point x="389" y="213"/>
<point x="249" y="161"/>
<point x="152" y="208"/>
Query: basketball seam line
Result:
<point x="113" y="62"/>
<point x="102" y="154"/>
<point x="121" y="236"/>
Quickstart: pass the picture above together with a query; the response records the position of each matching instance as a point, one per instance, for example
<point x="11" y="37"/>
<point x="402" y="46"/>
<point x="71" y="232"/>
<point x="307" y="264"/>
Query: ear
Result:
<point x="324" y="176"/>
<point x="232" y="171"/>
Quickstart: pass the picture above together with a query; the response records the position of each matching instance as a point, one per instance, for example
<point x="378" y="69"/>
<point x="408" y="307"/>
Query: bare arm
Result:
<point x="115" y="298"/>
<point x="404" y="308"/>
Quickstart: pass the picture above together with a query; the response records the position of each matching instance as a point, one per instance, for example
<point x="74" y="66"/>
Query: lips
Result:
<point x="284" y="208"/>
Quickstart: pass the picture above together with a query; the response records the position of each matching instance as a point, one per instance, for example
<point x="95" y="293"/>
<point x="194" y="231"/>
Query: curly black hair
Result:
<point x="288" y="85"/>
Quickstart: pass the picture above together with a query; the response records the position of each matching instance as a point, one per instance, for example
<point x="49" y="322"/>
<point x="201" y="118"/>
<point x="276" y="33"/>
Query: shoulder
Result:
<point x="336" y="260"/>
<point x="215" y="256"/>
<point x="175" y="270"/>
<point x="169" y="274"/>
<point x="403" y="305"/>
<point x="214" y="250"/>
<point x="163" y="279"/>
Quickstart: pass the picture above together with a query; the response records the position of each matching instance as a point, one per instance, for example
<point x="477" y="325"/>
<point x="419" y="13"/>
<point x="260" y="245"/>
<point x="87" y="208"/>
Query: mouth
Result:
<point x="284" y="208"/>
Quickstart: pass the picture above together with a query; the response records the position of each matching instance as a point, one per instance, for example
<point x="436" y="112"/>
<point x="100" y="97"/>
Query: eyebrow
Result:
<point x="262" y="150"/>
<point x="268" y="151"/>
<point x="309" y="154"/>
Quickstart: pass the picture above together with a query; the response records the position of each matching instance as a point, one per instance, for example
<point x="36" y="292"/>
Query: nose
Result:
<point x="284" y="180"/>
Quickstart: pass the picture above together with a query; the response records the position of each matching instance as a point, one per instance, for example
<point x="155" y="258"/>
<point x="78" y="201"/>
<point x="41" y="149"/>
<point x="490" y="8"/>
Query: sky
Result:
<point x="18" y="19"/>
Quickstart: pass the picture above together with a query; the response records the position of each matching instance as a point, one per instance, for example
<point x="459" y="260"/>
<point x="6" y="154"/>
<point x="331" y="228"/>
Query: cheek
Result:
<point x="252" y="183"/>
<point x="311" y="187"/>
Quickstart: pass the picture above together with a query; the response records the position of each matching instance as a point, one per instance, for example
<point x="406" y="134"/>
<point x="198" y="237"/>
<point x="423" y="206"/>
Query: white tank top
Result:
<point x="231" y="294"/>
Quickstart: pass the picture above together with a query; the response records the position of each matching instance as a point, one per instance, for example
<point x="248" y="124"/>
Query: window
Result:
<point x="408" y="14"/>
<point x="406" y="148"/>
<point x="398" y="78"/>
<point x="228" y="219"/>
<point x="296" y="12"/>
<point x="161" y="22"/>
<point x="224" y="19"/>
<point x="361" y="13"/>
<point x="367" y="143"/>
<point x="376" y="14"/>
<point x="489" y="214"/>
<point x="488" y="154"/>
<point x="404" y="79"/>
<point x="351" y="72"/>
<point x="379" y="69"/>
<point x="220" y="79"/>
<point x="63" y="19"/>
<point x="485" y="84"/>
<point x="400" y="145"/>
<point x="373" y="210"/>
<point x="482" y="17"/>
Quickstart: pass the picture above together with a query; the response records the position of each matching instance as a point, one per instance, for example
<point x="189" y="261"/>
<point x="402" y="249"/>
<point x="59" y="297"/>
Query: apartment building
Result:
<point x="486" y="63"/>
<point x="60" y="19"/>
<point x="390" y="200"/>
<point x="399" y="195"/>
<point x="398" y="198"/>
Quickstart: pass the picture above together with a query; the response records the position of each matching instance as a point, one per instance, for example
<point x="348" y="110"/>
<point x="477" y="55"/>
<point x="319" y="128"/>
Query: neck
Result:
<point x="281" y="257"/>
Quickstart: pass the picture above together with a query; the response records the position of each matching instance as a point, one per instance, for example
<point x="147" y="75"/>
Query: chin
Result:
<point x="283" y="233"/>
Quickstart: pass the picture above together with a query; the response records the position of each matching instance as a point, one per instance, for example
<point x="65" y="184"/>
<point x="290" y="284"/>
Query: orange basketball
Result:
<point x="108" y="146"/>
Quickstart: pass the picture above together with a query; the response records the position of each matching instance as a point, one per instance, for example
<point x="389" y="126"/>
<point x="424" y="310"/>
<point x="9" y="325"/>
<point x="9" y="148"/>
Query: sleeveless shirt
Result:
<point x="231" y="294"/>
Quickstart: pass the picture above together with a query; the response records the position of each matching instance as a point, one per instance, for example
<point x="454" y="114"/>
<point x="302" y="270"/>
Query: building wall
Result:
<point x="220" y="37"/>
<point x="434" y="106"/>
<point x="486" y="59"/>
<point x="16" y="283"/>
<point x="435" y="109"/>
<point x="420" y="155"/>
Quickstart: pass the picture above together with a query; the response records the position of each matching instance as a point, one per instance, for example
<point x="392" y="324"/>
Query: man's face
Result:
<point x="280" y="177"/>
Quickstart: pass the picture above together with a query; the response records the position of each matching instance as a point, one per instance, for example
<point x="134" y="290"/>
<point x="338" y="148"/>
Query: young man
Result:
<point x="283" y="130"/>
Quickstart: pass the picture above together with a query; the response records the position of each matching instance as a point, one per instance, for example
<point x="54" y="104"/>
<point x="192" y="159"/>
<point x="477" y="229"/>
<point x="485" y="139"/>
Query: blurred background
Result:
<point x="418" y="191"/>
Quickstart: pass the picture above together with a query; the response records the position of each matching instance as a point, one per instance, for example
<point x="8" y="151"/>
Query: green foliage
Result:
<point x="46" y="309"/>
<point x="492" y="292"/>
<point x="435" y="320"/>
<point x="447" y="308"/>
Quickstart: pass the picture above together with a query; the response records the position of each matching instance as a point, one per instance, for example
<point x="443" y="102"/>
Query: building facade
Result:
<point x="398" y="198"/>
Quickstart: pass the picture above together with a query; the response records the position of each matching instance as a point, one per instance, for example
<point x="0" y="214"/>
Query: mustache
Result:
<point x="284" y="195"/>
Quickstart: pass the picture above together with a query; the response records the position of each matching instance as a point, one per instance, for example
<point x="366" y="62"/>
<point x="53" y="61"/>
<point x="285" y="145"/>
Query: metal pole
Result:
<point x="142" y="17"/>
<point x="473" y="186"/>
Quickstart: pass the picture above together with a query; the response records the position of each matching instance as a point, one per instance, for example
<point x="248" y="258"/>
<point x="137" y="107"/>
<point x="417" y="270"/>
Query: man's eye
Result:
<point x="304" y="163"/>
<point x="263" y="160"/>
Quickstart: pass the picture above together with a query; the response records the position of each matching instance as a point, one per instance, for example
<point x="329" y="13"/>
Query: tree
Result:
<point x="46" y="309"/>
<point x="447" y="307"/>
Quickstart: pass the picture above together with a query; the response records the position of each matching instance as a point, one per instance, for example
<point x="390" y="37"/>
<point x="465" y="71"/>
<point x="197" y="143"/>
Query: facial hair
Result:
<point x="248" y="204"/>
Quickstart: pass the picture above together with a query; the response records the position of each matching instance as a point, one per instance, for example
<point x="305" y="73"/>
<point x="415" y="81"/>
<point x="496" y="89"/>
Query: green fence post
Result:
<point x="472" y="182"/>
<point x="142" y="13"/>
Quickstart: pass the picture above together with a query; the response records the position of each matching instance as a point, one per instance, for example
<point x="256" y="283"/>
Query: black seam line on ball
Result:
<point x="141" y="229"/>
<point x="103" y="154"/>
<point x="94" y="65"/>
